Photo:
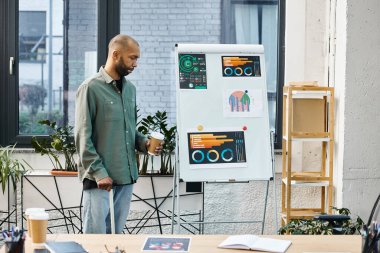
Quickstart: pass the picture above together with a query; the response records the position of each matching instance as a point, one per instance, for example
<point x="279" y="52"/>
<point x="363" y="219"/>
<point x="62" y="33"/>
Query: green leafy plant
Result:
<point x="60" y="141"/>
<point x="10" y="168"/>
<point x="319" y="227"/>
<point x="158" y="122"/>
<point x="306" y="227"/>
<point x="350" y="227"/>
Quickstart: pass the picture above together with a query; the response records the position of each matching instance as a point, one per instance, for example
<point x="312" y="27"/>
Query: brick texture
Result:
<point x="157" y="26"/>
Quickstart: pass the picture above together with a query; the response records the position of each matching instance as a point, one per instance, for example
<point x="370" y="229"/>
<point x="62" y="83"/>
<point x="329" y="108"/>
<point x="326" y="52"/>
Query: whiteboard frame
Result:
<point x="225" y="175"/>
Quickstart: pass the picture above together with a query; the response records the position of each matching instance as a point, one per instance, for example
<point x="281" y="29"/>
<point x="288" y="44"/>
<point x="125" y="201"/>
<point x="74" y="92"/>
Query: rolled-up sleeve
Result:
<point x="91" y="165"/>
<point x="140" y="142"/>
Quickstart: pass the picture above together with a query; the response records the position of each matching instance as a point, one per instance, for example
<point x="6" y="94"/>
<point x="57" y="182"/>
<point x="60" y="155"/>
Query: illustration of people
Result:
<point x="245" y="101"/>
<point x="239" y="101"/>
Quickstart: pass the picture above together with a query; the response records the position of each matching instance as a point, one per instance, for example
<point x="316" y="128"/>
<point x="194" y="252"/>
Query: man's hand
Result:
<point x="158" y="149"/>
<point x="105" y="183"/>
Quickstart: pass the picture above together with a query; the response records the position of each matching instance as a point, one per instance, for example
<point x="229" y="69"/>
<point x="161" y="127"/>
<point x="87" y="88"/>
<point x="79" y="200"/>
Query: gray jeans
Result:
<point x="96" y="213"/>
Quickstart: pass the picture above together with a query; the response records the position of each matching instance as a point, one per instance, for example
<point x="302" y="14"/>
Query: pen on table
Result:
<point x="13" y="233"/>
<point x="5" y="234"/>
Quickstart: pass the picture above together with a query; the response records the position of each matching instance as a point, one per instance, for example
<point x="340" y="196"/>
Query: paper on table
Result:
<point x="252" y="242"/>
<point x="167" y="244"/>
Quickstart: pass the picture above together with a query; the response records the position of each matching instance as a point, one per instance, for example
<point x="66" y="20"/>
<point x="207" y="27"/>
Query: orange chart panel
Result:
<point x="241" y="66"/>
<point x="216" y="147"/>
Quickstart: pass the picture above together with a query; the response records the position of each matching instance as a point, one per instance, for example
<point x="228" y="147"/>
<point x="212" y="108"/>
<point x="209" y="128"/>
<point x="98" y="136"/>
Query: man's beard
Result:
<point x="121" y="69"/>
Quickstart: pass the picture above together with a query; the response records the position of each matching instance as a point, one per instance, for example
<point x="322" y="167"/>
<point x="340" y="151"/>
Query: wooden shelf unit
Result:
<point x="308" y="115"/>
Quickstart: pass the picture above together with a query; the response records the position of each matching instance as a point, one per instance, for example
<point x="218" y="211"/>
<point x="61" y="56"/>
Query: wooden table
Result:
<point x="208" y="243"/>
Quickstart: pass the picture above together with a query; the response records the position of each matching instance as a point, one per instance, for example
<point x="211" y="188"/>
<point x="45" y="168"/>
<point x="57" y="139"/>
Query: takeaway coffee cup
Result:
<point x="28" y="212"/>
<point x="38" y="228"/>
<point x="155" y="140"/>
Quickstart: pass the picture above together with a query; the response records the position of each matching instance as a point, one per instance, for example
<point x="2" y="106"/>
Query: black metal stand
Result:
<point x="71" y="220"/>
<point x="157" y="215"/>
<point x="68" y="219"/>
<point x="11" y="209"/>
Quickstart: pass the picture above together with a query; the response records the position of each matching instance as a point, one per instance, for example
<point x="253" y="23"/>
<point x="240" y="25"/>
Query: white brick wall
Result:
<point x="82" y="34"/>
<point x="158" y="26"/>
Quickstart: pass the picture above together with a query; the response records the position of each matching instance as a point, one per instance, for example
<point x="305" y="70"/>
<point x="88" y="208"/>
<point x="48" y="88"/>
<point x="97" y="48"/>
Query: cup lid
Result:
<point x="34" y="210"/>
<point x="157" y="135"/>
<point x="39" y="216"/>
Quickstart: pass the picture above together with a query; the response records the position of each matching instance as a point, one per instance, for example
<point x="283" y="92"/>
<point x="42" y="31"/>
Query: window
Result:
<point x="53" y="46"/>
<point x="32" y="35"/>
<point x="257" y="22"/>
<point x="40" y="85"/>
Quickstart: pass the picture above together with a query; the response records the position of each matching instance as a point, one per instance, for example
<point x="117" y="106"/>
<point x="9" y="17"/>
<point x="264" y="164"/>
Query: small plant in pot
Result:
<point x="158" y="123"/>
<point x="10" y="168"/>
<point x="60" y="141"/>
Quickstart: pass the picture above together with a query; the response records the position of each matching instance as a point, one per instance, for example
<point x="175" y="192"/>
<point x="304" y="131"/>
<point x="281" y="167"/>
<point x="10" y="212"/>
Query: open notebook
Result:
<point x="252" y="242"/>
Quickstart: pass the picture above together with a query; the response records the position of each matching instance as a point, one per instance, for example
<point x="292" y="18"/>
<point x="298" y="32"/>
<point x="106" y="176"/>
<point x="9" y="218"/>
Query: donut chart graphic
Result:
<point x="229" y="153"/>
<point x="187" y="62"/>
<point x="198" y="156"/>
<point x="216" y="147"/>
<point x="241" y="66"/>
<point x="192" y="71"/>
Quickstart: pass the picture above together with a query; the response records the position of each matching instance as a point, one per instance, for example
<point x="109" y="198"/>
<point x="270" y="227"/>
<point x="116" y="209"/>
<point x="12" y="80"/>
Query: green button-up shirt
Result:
<point x="105" y="130"/>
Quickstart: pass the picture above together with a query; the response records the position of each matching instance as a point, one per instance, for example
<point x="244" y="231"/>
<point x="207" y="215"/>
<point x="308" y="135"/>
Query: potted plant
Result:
<point x="10" y="168"/>
<point x="60" y="141"/>
<point x="11" y="172"/>
<point x="320" y="227"/>
<point x="158" y="122"/>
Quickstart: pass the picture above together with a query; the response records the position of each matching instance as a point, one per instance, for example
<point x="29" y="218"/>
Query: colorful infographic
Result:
<point x="241" y="66"/>
<point x="221" y="148"/>
<point x="192" y="71"/>
<point x="167" y="244"/>
<point x="243" y="103"/>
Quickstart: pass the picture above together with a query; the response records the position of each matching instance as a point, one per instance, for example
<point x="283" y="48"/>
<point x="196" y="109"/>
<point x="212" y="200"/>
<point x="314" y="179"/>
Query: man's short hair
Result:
<point x="121" y="41"/>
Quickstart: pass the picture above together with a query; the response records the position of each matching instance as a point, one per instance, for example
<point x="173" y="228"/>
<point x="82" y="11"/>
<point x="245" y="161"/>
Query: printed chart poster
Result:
<point x="241" y="66"/>
<point x="161" y="244"/>
<point x="243" y="103"/>
<point x="217" y="149"/>
<point x="192" y="71"/>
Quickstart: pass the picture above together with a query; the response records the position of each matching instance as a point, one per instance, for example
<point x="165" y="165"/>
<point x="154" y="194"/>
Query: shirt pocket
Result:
<point x="112" y="111"/>
<point x="131" y="108"/>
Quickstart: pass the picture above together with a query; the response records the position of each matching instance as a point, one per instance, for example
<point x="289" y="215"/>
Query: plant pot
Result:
<point x="63" y="173"/>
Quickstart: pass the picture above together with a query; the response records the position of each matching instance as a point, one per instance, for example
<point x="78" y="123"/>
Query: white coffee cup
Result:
<point x="28" y="212"/>
<point x="155" y="140"/>
<point x="38" y="228"/>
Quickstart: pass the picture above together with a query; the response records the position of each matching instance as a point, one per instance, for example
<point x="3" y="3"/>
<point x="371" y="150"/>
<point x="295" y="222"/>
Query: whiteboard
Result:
<point x="222" y="113"/>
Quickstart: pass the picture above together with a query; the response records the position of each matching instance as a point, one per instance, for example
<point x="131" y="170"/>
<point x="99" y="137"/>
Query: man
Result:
<point x="106" y="137"/>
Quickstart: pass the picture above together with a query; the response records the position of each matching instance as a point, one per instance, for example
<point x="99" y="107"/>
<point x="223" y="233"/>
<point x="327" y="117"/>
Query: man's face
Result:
<point x="127" y="60"/>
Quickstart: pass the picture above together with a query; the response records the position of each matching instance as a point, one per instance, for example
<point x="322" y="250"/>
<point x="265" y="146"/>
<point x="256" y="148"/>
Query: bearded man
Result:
<point x="106" y="137"/>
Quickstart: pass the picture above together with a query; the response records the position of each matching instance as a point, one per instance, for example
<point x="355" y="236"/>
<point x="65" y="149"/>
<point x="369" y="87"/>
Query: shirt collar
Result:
<point x="104" y="74"/>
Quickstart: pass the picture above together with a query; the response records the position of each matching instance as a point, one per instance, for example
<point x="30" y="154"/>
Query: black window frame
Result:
<point x="108" y="27"/>
<point x="227" y="34"/>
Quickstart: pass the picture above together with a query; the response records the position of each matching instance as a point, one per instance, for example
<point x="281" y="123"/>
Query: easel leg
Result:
<point x="274" y="181"/>
<point x="178" y="210"/>
<point x="265" y="208"/>
<point x="173" y="199"/>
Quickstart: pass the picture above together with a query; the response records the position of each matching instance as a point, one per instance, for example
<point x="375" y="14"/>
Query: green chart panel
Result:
<point x="192" y="71"/>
